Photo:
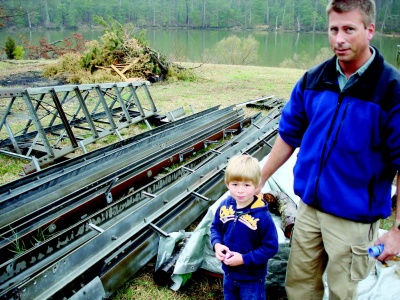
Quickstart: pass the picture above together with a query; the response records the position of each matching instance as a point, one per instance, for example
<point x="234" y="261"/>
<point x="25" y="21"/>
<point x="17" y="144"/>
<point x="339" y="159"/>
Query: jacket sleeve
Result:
<point x="393" y="120"/>
<point x="269" y="244"/>
<point x="216" y="230"/>
<point x="294" y="120"/>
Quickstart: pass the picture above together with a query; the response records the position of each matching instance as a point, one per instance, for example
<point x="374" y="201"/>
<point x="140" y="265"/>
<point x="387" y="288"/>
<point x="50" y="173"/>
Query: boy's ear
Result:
<point x="227" y="185"/>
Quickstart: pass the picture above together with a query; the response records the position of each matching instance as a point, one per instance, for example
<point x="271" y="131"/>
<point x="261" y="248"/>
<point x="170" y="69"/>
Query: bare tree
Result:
<point x="388" y="5"/>
<point x="266" y="15"/>
<point x="203" y="22"/>
<point x="187" y="13"/>
<point x="46" y="10"/>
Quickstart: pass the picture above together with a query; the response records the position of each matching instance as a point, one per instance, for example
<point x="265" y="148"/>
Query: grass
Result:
<point x="142" y="286"/>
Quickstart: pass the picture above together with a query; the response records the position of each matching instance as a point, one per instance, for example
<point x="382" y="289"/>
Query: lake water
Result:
<point x="191" y="45"/>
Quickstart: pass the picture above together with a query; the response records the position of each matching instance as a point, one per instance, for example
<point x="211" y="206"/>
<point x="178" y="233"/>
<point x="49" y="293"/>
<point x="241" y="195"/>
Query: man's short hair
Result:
<point x="243" y="168"/>
<point x="366" y="7"/>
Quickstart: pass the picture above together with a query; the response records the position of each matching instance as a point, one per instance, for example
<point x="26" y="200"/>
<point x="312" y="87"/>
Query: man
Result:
<point x="344" y="117"/>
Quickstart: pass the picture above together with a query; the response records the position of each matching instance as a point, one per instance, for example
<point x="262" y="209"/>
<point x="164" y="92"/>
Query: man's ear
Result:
<point x="371" y="31"/>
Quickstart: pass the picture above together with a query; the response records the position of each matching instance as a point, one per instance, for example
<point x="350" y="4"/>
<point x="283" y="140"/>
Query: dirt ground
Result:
<point x="28" y="79"/>
<point x="14" y="74"/>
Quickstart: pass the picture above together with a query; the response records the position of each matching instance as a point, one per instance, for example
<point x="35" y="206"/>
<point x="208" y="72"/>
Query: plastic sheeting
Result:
<point x="382" y="284"/>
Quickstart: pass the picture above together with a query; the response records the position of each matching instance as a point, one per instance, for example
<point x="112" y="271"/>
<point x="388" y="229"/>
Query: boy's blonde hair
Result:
<point x="243" y="168"/>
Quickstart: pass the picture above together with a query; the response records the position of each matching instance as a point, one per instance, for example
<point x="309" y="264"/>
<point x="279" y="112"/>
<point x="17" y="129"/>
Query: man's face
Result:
<point x="348" y="37"/>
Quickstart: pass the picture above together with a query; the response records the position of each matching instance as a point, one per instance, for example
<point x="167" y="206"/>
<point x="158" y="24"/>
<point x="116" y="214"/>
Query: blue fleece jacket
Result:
<point x="251" y="233"/>
<point x="349" y="141"/>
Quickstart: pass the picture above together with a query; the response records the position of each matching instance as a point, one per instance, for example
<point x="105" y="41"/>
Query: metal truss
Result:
<point x="64" y="119"/>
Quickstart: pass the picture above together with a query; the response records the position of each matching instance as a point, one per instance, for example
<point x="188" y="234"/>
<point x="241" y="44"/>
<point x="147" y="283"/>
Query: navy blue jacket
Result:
<point x="349" y="141"/>
<point x="252" y="234"/>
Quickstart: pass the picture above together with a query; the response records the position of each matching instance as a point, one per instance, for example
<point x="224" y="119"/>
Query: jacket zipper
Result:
<point x="321" y="163"/>
<point x="337" y="134"/>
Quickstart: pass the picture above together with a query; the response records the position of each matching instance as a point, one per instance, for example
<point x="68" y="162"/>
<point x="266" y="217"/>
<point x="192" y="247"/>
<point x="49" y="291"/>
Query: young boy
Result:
<point x="243" y="234"/>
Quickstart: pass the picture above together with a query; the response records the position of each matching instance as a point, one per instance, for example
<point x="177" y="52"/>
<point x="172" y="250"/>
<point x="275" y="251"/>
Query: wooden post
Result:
<point x="398" y="54"/>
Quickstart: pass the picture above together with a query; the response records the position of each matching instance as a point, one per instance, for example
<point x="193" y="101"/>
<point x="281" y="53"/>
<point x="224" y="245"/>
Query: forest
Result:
<point x="290" y="15"/>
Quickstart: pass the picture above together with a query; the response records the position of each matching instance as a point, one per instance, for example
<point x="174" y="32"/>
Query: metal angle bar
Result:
<point x="187" y="169"/>
<point x="122" y="104"/>
<point x="255" y="100"/>
<point x="64" y="98"/>
<point x="10" y="92"/>
<point x="34" y="142"/>
<point x="149" y="98"/>
<point x="64" y="119"/>
<point x="215" y="151"/>
<point x="86" y="113"/>
<point x="45" y="286"/>
<point x="38" y="125"/>
<point x="157" y="229"/>
<point x="12" y="138"/>
<point x="7" y="112"/>
<point x="201" y="196"/>
<point x="102" y="100"/>
<point x="97" y="228"/>
<point x="82" y="87"/>
<point x="149" y="194"/>
<point x="16" y="155"/>
<point x="136" y="100"/>
<point x="29" y="123"/>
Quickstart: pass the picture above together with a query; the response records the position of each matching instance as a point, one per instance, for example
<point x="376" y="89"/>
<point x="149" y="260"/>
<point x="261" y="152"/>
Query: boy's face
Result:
<point x="242" y="191"/>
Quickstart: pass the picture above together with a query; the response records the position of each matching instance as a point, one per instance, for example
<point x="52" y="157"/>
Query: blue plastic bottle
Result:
<point x="375" y="251"/>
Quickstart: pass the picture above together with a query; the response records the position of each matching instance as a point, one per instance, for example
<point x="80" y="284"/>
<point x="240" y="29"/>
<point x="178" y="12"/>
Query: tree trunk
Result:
<point x="250" y="9"/>
<point x="154" y="13"/>
<point x="315" y="16"/>
<point x="266" y="15"/>
<point x="187" y="13"/>
<point x="29" y="19"/>
<point x="47" y="14"/>
<point x="298" y="24"/>
<point x="204" y="14"/>
<point x="386" y="14"/>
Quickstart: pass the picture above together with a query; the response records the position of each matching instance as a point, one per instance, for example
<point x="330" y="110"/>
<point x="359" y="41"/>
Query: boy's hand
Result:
<point x="234" y="260"/>
<point x="220" y="251"/>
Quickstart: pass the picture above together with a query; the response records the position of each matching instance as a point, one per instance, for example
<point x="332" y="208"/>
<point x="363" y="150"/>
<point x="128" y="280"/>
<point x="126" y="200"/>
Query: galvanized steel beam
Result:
<point x="175" y="202"/>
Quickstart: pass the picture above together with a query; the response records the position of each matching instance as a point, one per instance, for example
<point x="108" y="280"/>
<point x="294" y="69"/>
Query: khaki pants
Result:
<point x="322" y="242"/>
